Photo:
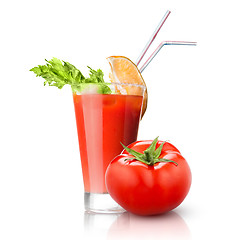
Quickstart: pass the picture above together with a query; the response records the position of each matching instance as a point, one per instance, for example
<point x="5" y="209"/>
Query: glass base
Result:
<point x="101" y="203"/>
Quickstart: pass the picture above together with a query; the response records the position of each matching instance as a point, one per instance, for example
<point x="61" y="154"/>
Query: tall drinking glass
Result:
<point x="103" y="122"/>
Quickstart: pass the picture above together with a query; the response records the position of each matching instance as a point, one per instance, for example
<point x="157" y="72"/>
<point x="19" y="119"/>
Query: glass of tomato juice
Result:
<point x="104" y="121"/>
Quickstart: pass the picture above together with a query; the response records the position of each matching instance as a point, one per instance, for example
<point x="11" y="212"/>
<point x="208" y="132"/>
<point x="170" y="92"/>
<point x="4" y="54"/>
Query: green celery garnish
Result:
<point x="59" y="73"/>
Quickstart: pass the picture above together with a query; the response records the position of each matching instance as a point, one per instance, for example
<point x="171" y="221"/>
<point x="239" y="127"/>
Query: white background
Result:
<point x="193" y="102"/>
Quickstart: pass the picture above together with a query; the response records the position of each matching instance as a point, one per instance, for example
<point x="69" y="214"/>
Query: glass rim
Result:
<point x="117" y="84"/>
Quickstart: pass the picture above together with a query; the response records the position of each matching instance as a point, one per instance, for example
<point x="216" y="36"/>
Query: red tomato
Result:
<point x="149" y="189"/>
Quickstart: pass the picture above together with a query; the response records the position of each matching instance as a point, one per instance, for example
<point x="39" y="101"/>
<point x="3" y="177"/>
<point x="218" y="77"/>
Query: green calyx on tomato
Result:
<point x="151" y="154"/>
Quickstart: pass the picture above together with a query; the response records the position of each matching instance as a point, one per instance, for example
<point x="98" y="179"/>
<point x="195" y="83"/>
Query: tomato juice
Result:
<point x="103" y="121"/>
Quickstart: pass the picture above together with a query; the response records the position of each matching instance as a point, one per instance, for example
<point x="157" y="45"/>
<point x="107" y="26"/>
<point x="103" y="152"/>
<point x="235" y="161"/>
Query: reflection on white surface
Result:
<point x="128" y="226"/>
<point x="97" y="225"/>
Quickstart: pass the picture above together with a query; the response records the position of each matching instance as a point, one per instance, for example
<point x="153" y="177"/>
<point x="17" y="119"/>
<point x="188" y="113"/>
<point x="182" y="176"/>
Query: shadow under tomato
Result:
<point x="167" y="226"/>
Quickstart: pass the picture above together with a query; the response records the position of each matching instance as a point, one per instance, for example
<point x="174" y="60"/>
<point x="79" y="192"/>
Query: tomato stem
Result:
<point x="148" y="157"/>
<point x="151" y="155"/>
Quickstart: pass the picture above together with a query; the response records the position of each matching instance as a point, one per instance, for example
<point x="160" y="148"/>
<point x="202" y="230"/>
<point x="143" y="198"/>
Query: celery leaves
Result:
<point x="59" y="73"/>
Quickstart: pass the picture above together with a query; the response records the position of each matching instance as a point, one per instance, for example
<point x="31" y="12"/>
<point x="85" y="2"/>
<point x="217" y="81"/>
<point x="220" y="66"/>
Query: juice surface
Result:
<point x="103" y="121"/>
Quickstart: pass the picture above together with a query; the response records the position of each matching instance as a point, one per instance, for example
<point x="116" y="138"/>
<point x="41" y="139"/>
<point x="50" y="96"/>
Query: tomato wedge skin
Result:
<point x="149" y="190"/>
